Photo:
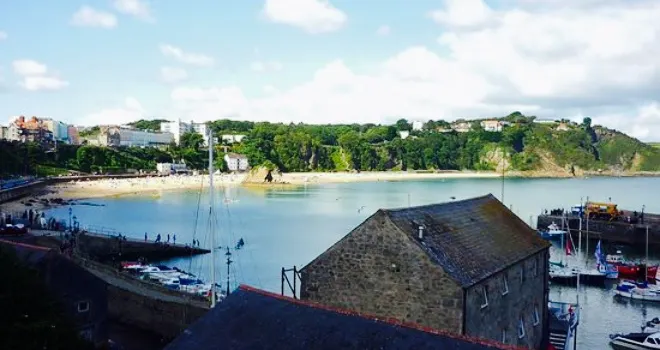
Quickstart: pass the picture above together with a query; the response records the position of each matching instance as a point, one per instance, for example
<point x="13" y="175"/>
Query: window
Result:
<point x="651" y="341"/>
<point x="536" y="317"/>
<point x="521" y="329"/>
<point x="485" y="299"/>
<point x="505" y="285"/>
<point x="504" y="336"/>
<point x="83" y="306"/>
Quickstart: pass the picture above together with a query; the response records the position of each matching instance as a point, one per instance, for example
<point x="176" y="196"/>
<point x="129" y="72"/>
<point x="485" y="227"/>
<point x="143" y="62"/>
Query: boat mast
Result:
<point x="211" y="217"/>
<point x="586" y="259"/>
<point x="646" y="268"/>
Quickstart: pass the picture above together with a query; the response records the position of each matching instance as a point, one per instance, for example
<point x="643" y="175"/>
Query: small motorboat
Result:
<point x="636" y="341"/>
<point x="637" y="291"/>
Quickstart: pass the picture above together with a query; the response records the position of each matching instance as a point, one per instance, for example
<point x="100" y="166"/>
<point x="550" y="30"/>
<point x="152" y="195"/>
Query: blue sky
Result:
<point x="327" y="61"/>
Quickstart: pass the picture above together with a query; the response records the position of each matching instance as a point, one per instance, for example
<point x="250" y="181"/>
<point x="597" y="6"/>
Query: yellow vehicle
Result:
<point x="603" y="211"/>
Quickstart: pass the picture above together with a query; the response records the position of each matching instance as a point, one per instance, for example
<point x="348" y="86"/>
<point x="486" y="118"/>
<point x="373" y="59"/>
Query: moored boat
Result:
<point x="636" y="341"/>
<point x="628" y="269"/>
<point x="638" y="291"/>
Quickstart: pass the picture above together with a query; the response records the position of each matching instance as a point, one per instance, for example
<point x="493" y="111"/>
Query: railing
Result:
<point x="565" y="318"/>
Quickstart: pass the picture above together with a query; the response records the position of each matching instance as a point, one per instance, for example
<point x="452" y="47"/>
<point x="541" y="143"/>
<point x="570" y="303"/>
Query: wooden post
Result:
<point x="295" y="271"/>
<point x="282" y="277"/>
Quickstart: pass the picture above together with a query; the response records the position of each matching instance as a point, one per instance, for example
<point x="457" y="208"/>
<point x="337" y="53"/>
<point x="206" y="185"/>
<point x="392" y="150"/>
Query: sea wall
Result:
<point x="146" y="305"/>
<point x="615" y="232"/>
<point x="105" y="247"/>
<point x="18" y="192"/>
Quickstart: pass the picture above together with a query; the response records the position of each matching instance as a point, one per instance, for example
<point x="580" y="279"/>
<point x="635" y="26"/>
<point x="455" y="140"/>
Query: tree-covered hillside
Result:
<point x="523" y="145"/>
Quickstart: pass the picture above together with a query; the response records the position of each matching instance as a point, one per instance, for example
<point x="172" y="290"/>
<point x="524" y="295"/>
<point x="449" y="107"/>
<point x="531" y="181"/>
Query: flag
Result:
<point x="598" y="254"/>
<point x="568" y="247"/>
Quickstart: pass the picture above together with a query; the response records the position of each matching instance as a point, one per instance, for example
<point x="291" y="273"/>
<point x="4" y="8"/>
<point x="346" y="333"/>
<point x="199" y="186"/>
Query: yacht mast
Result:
<point x="212" y="217"/>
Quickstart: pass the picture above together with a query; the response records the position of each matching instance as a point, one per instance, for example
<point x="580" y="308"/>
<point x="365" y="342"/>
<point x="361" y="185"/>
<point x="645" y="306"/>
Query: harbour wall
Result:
<point x="145" y="305"/>
<point x="615" y="232"/>
<point x="18" y="192"/>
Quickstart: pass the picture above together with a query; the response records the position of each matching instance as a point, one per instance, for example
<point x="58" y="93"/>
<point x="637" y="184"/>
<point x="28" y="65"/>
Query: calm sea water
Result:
<point x="283" y="228"/>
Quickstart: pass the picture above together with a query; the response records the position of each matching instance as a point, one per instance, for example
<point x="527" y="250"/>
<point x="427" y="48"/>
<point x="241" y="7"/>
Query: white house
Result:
<point x="403" y="134"/>
<point x="171" y="168"/>
<point x="231" y="138"/>
<point x="236" y="162"/>
<point x="493" y="125"/>
<point x="417" y="125"/>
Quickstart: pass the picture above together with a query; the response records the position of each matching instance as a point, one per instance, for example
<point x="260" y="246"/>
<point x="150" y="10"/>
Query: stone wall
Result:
<point x="380" y="271"/>
<point x="504" y="310"/>
<point x="618" y="231"/>
<point x="20" y="191"/>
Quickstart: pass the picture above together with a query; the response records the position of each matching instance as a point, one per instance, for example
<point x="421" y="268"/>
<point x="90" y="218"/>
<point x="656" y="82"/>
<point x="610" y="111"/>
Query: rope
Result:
<point x="199" y="201"/>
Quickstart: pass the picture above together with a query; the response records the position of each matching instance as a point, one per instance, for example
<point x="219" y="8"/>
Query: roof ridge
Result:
<point x="391" y="321"/>
<point x="24" y="245"/>
<point x="438" y="204"/>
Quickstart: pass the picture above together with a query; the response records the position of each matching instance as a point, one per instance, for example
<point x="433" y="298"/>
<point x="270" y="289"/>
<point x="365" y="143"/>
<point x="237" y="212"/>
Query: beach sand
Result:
<point x="77" y="190"/>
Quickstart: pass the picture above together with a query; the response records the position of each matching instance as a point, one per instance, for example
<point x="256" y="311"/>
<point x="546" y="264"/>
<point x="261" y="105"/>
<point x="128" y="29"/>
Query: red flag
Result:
<point x="568" y="247"/>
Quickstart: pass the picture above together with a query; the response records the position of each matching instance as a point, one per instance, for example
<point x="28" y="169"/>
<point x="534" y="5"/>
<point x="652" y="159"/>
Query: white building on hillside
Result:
<point x="417" y="125"/>
<point x="236" y="162"/>
<point x="230" y="138"/>
<point x="178" y="128"/>
<point x="133" y="137"/>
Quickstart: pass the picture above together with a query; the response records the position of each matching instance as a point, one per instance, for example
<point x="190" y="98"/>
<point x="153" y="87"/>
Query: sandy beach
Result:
<point x="80" y="190"/>
<point x="117" y="187"/>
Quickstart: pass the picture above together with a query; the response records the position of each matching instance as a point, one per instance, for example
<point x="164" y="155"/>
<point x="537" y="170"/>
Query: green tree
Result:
<point x="403" y="125"/>
<point x="192" y="140"/>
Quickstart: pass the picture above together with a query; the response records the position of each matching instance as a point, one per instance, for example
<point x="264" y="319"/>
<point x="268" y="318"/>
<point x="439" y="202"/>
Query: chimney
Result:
<point x="421" y="232"/>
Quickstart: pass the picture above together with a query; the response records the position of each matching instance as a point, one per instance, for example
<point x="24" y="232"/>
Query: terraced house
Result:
<point x="470" y="267"/>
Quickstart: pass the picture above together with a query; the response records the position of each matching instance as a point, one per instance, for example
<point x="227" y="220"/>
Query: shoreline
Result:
<point x="102" y="188"/>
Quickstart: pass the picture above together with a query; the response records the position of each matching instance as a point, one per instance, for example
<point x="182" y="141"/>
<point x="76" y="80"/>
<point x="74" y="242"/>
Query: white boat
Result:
<point x="636" y="341"/>
<point x="638" y="291"/>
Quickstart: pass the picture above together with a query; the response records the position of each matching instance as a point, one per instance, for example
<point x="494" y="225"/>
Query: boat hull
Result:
<point x="620" y="343"/>
<point x="635" y="271"/>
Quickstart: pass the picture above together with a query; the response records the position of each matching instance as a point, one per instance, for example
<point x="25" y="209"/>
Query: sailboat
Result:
<point x="639" y="291"/>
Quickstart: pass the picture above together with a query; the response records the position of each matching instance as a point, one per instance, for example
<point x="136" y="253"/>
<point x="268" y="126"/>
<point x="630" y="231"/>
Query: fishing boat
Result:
<point x="648" y="338"/>
<point x="629" y="269"/>
<point x="553" y="232"/>
<point x="638" y="291"/>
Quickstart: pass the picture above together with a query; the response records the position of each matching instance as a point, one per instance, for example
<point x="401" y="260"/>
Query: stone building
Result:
<point x="470" y="267"/>
<point x="82" y="295"/>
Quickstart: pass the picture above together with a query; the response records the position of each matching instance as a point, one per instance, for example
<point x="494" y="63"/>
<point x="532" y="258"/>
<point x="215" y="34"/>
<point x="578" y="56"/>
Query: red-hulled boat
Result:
<point x="629" y="269"/>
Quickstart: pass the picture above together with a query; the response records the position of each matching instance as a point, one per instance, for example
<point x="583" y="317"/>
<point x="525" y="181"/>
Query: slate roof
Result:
<point x="471" y="239"/>
<point x="254" y="319"/>
<point x="30" y="254"/>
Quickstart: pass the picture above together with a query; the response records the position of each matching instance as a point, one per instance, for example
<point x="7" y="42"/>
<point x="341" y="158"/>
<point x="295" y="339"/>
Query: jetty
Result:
<point x="105" y="247"/>
<point x="619" y="231"/>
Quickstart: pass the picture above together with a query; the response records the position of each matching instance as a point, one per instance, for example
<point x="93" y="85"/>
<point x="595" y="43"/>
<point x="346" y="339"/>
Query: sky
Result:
<point x="89" y="62"/>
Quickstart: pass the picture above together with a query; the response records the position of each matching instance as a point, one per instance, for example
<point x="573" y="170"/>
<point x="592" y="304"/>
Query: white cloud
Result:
<point x="313" y="16"/>
<point x="131" y="111"/>
<point x="260" y="66"/>
<point x="3" y="35"/>
<point x="89" y="17"/>
<point x="172" y="74"/>
<point x="29" y="67"/>
<point x="36" y="77"/>
<point x="383" y="30"/>
<point x="137" y="8"/>
<point x="178" y="54"/>
<point x="463" y="13"/>
<point x="599" y="61"/>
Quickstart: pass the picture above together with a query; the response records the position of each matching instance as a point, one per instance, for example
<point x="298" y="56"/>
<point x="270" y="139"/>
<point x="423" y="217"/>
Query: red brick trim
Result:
<point x="389" y="320"/>
<point x="25" y="245"/>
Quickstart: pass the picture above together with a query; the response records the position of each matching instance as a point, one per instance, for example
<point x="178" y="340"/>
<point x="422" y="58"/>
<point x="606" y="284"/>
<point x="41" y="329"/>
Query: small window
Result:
<point x="651" y="341"/>
<point x="521" y="329"/>
<point x="485" y="297"/>
<point x="536" y="317"/>
<point x="83" y="306"/>
<point x="505" y="285"/>
<point x="504" y="336"/>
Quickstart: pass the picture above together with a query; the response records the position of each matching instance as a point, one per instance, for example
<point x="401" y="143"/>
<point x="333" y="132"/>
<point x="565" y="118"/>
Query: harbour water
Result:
<point x="287" y="227"/>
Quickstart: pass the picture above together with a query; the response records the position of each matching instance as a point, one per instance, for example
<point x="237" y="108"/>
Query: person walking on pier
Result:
<point x="168" y="238"/>
<point x="174" y="238"/>
<point x="158" y="238"/>
<point x="145" y="236"/>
